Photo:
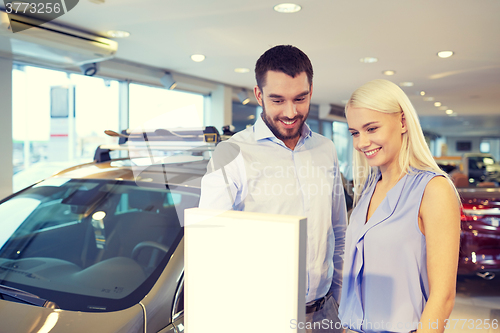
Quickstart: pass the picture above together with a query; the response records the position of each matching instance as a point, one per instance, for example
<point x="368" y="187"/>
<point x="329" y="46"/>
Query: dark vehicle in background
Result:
<point x="481" y="167"/>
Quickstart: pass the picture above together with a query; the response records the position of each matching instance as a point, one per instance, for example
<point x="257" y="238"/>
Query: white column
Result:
<point x="6" y="169"/>
<point x="219" y="111"/>
<point x="123" y="117"/>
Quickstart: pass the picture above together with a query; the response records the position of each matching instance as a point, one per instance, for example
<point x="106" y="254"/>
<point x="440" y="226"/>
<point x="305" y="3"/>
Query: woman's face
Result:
<point x="377" y="135"/>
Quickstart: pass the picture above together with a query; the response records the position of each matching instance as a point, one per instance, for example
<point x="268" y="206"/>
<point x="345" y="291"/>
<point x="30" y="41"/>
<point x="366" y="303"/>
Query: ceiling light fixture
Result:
<point x="389" y="72"/>
<point x="168" y="81"/>
<point x="449" y="111"/>
<point x="117" y="34"/>
<point x="422" y="93"/>
<point x="406" y="84"/>
<point x="287" y="8"/>
<point x="243" y="97"/>
<point x="197" y="57"/>
<point x="437" y="104"/>
<point x="241" y="70"/>
<point x="368" y="60"/>
<point x="428" y="99"/>
<point x="445" y="54"/>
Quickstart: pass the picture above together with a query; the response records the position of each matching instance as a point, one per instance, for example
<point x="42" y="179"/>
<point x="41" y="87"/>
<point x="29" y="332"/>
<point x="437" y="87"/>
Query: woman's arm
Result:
<point x="439" y="220"/>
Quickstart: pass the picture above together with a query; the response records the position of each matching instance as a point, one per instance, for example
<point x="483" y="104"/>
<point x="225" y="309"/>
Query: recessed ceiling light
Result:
<point x="368" y="60"/>
<point x="443" y="108"/>
<point x="389" y="72"/>
<point x="445" y="54"/>
<point x="198" y="57"/>
<point x="117" y="34"/>
<point x="287" y="8"/>
<point x="422" y="93"/>
<point x="241" y="70"/>
<point x="437" y="104"/>
<point x="449" y="111"/>
<point x="406" y="84"/>
<point x="428" y="99"/>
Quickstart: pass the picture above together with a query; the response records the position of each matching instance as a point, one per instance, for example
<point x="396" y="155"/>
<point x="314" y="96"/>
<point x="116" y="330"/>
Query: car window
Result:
<point x="90" y="245"/>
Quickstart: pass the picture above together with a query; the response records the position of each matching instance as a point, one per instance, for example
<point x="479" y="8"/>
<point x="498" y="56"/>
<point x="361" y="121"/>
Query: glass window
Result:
<point x="313" y="125"/>
<point x="244" y="115"/>
<point x="327" y="129"/>
<point x="153" y="107"/>
<point x="341" y="137"/>
<point x="58" y="120"/>
<point x="484" y="147"/>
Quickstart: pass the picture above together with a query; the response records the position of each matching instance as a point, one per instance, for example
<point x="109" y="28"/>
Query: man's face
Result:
<point x="285" y="102"/>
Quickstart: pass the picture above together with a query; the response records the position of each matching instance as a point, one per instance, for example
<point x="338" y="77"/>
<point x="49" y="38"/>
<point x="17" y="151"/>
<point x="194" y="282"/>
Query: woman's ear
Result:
<point x="404" y="129"/>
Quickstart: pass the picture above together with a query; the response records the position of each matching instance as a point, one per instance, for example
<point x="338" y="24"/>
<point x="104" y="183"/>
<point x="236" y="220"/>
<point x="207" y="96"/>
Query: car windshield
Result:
<point x="90" y="245"/>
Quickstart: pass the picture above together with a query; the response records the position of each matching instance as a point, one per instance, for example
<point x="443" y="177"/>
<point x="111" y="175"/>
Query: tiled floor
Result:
<point x="477" y="306"/>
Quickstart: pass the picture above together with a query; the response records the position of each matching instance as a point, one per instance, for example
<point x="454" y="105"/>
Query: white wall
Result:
<point x="451" y="142"/>
<point x="6" y="169"/>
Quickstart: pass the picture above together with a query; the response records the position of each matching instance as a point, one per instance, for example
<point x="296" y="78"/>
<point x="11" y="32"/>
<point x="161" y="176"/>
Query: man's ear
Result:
<point x="258" y="94"/>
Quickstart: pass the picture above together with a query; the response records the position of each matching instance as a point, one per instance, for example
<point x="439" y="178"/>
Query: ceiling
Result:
<point x="405" y="36"/>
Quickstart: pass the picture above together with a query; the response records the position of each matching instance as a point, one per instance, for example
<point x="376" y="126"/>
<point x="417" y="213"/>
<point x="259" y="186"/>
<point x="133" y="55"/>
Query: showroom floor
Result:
<point x="477" y="306"/>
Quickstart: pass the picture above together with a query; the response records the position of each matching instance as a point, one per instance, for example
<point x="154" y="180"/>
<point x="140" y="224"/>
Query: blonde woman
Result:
<point x="402" y="242"/>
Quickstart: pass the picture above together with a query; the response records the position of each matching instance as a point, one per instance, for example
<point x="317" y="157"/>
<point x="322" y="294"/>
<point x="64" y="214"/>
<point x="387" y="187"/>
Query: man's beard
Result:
<point x="275" y="130"/>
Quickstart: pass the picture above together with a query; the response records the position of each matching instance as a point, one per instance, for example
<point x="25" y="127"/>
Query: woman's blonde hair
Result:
<point x="385" y="96"/>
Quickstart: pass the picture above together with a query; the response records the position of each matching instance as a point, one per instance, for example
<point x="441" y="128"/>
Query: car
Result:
<point x="479" y="169"/>
<point x="99" y="247"/>
<point x="482" y="167"/>
<point x="480" y="214"/>
<point x="480" y="232"/>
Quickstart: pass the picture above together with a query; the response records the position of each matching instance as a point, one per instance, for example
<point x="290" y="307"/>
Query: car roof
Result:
<point x="182" y="159"/>
<point x="182" y="173"/>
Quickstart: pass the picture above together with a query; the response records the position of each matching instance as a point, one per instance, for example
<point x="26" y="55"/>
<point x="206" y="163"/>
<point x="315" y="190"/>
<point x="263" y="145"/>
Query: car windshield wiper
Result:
<point x="27" y="297"/>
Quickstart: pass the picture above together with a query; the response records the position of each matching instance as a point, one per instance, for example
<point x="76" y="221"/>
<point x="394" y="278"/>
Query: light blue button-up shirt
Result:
<point x="261" y="174"/>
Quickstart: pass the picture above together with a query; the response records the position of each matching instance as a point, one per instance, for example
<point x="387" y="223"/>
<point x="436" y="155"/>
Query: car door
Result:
<point x="177" y="315"/>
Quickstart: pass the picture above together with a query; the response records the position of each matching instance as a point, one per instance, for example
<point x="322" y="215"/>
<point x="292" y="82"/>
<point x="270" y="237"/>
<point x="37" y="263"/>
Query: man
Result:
<point x="280" y="166"/>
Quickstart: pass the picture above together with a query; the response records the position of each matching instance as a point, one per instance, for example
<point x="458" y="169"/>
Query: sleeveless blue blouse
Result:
<point x="385" y="286"/>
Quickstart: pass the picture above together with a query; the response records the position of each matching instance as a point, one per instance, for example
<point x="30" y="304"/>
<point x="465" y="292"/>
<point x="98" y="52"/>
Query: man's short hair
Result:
<point x="282" y="58"/>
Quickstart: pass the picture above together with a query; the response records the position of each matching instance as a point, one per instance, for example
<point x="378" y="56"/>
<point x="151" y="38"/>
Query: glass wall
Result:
<point x="152" y="107"/>
<point x="343" y="144"/>
<point x="244" y="115"/>
<point x="58" y="120"/>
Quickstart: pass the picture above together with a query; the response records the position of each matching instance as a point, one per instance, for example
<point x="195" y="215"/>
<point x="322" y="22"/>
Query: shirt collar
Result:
<point x="263" y="132"/>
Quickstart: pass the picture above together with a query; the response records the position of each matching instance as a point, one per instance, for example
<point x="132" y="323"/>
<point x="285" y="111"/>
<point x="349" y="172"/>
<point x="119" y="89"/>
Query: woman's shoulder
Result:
<point x="439" y="192"/>
<point x="424" y="176"/>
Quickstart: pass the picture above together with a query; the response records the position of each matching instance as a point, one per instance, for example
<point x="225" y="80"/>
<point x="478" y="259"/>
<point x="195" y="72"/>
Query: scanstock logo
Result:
<point x="40" y="11"/>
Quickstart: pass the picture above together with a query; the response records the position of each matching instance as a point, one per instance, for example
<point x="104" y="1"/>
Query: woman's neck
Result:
<point x="390" y="175"/>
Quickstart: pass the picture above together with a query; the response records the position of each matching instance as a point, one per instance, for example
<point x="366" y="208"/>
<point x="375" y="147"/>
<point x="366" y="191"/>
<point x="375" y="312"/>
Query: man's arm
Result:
<point x="339" y="225"/>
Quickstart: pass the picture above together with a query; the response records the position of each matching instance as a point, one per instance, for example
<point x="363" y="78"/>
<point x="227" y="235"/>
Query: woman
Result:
<point x="403" y="238"/>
